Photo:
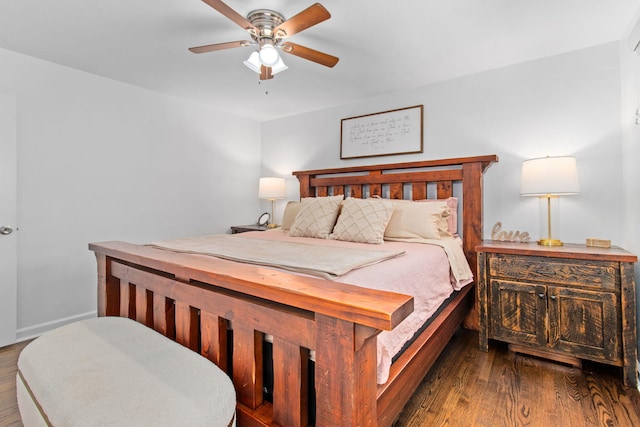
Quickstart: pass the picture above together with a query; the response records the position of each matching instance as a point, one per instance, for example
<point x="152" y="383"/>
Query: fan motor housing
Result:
<point x="265" y="21"/>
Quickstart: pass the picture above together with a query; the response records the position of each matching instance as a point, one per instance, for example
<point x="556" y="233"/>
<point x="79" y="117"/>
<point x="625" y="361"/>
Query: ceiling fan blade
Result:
<point x="231" y="14"/>
<point x="309" y="17"/>
<point x="265" y="73"/>
<point x="219" y="46"/>
<point x="310" y="54"/>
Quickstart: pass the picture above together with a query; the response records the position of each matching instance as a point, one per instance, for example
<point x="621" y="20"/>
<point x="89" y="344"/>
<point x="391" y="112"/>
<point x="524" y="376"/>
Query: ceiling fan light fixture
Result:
<point x="253" y="63"/>
<point x="269" y="55"/>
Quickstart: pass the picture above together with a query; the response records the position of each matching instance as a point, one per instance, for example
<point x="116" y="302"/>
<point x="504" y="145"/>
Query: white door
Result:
<point x="8" y="221"/>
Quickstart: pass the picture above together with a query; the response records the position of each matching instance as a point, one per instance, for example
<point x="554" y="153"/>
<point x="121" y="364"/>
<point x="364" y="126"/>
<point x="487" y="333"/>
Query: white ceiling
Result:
<point x="383" y="45"/>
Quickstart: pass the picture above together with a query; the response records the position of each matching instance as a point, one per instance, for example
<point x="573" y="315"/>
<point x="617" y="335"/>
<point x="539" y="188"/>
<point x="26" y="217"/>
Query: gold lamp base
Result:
<point x="272" y="218"/>
<point x="550" y="242"/>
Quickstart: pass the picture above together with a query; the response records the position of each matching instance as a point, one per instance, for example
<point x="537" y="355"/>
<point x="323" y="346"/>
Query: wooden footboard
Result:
<point x="224" y="309"/>
<point x="196" y="300"/>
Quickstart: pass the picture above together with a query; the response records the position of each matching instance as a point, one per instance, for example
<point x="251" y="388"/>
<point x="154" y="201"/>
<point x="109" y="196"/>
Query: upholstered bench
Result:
<point x="112" y="371"/>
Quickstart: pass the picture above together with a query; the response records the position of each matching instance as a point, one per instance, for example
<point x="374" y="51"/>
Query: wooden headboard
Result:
<point x="442" y="178"/>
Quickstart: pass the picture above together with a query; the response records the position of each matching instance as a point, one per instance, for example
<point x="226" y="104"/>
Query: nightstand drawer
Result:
<point x="603" y="275"/>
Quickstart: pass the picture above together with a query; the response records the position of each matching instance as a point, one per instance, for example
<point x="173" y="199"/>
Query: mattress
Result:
<point x="422" y="271"/>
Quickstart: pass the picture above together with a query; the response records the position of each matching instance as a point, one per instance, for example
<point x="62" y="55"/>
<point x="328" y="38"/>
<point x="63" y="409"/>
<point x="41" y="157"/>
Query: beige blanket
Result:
<point x="327" y="262"/>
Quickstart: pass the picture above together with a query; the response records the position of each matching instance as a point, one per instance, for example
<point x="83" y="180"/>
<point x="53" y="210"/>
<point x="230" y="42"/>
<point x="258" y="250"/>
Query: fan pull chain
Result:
<point x="266" y="89"/>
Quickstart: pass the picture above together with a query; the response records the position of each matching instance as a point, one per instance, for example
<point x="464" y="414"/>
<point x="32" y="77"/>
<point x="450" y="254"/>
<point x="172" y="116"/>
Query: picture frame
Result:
<point x="263" y="220"/>
<point x="387" y="133"/>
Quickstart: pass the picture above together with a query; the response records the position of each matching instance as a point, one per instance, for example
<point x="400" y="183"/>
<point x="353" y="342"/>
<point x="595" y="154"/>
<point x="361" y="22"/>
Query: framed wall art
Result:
<point x="382" y="134"/>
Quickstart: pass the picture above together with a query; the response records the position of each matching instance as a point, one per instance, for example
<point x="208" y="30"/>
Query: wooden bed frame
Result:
<point x="197" y="300"/>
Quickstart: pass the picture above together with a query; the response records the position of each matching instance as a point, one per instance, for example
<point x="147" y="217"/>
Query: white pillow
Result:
<point x="363" y="220"/>
<point x="290" y="213"/>
<point x="416" y="220"/>
<point x="452" y="220"/>
<point x="316" y="217"/>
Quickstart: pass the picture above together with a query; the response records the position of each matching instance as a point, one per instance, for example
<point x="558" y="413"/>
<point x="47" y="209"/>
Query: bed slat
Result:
<point x="213" y="339"/>
<point x="159" y="313"/>
<point x="247" y="365"/>
<point x="419" y="190"/>
<point x="187" y="326"/>
<point x="144" y="314"/>
<point x="290" y="367"/>
<point x="356" y="191"/>
<point x="396" y="190"/>
<point x="444" y="189"/>
<point x="125" y="297"/>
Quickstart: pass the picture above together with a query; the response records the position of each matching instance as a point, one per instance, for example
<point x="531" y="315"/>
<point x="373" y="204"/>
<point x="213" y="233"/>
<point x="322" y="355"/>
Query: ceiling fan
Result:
<point x="267" y="29"/>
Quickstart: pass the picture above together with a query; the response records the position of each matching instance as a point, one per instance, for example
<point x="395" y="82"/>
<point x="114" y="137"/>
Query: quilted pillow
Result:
<point x="416" y="220"/>
<point x="363" y="220"/>
<point x="316" y="217"/>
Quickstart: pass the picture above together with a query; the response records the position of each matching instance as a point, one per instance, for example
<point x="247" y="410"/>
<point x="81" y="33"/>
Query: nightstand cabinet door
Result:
<point x="518" y="312"/>
<point x="584" y="323"/>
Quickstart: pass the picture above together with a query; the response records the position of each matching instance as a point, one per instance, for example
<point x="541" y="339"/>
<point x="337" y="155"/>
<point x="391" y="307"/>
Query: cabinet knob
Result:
<point x="541" y="295"/>
<point x="553" y="297"/>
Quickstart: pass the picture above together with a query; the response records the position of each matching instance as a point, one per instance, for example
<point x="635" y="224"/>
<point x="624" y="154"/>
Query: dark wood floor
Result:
<point x="467" y="387"/>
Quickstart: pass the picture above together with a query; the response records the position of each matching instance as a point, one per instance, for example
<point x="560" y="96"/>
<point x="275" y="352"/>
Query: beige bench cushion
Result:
<point x="112" y="371"/>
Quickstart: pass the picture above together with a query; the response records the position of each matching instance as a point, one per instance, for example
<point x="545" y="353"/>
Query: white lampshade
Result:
<point x="271" y="188"/>
<point x="549" y="176"/>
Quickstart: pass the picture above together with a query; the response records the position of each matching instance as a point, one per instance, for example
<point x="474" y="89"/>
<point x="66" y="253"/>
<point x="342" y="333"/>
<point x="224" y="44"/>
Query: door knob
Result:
<point x="4" y="229"/>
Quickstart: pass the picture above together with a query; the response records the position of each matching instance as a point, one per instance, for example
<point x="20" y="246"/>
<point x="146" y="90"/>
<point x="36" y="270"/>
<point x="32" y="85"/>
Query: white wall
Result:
<point x="563" y="105"/>
<point x="630" y="89"/>
<point x="102" y="160"/>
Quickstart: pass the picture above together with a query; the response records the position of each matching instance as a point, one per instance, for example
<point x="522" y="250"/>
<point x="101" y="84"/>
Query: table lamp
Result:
<point x="271" y="188"/>
<point x="549" y="178"/>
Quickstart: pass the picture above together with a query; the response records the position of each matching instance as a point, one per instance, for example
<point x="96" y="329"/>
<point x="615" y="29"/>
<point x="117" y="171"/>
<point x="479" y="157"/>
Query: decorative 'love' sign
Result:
<point x="508" y="236"/>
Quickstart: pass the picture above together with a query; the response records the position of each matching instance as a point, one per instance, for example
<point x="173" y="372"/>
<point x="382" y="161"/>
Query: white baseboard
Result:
<point x="37" y="330"/>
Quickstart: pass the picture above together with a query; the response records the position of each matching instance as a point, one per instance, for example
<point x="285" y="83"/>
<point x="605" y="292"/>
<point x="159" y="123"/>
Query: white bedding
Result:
<point x="422" y="272"/>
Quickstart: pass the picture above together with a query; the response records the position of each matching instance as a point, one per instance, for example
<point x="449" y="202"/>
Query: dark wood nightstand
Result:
<point x="565" y="303"/>
<point x="244" y="228"/>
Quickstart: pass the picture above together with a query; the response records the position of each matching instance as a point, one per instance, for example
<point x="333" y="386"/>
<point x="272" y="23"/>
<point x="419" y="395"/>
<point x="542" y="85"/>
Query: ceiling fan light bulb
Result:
<point x="269" y="55"/>
<point x="253" y="63"/>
